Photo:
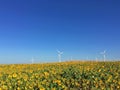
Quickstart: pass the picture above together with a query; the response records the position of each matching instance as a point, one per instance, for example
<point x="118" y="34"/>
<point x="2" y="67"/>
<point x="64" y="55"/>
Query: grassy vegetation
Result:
<point x="74" y="75"/>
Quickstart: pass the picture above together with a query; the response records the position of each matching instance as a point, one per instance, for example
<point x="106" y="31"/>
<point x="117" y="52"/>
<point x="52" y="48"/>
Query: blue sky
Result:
<point x="37" y="28"/>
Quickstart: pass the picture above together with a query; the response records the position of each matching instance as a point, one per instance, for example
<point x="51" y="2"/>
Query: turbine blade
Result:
<point x="104" y="51"/>
<point x="61" y="52"/>
<point x="58" y="51"/>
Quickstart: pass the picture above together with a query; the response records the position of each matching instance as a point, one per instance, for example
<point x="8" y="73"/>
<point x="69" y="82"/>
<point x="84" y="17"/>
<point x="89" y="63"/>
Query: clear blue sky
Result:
<point x="79" y="28"/>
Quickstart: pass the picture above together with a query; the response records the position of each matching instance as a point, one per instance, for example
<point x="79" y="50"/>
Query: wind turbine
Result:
<point x="59" y="55"/>
<point x="32" y="60"/>
<point x="71" y="58"/>
<point x="104" y="55"/>
<point x="96" y="59"/>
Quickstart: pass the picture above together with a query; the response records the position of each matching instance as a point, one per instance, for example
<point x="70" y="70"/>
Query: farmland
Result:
<point x="74" y="75"/>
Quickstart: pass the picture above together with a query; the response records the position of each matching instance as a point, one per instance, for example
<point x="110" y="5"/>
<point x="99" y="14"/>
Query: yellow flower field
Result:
<point x="74" y="75"/>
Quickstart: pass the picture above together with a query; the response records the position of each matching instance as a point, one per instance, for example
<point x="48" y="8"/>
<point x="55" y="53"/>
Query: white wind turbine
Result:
<point x="71" y="58"/>
<point x="96" y="59"/>
<point x="32" y="60"/>
<point x="59" y="55"/>
<point x="104" y="55"/>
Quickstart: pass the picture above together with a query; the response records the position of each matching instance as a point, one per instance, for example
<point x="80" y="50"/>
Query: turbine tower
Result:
<point x="32" y="60"/>
<point x="96" y="59"/>
<point x="71" y="58"/>
<point x="59" y="55"/>
<point x="104" y="55"/>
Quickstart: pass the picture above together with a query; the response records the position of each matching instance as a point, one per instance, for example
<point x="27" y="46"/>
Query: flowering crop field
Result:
<point x="74" y="75"/>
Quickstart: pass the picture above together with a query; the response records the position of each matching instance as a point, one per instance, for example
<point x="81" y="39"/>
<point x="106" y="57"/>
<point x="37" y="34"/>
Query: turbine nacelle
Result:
<point x="103" y="52"/>
<point x="59" y="52"/>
